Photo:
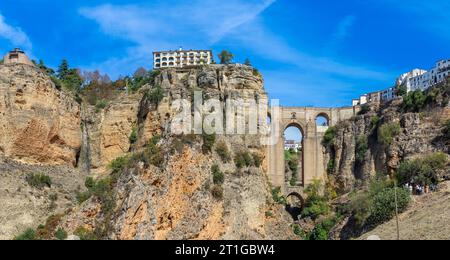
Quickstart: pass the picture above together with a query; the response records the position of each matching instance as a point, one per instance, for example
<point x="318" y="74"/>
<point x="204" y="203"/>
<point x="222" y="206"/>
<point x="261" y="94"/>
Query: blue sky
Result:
<point x="311" y="53"/>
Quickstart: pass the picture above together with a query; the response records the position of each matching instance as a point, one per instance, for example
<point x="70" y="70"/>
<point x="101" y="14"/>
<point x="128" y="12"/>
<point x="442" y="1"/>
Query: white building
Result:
<point x="406" y="78"/>
<point x="388" y="94"/>
<point x="423" y="80"/>
<point x="181" y="58"/>
<point x="291" y="144"/>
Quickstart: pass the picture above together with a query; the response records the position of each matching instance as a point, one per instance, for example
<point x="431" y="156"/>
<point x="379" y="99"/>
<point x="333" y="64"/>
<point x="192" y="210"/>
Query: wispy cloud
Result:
<point x="205" y="24"/>
<point x="167" y="26"/>
<point x="343" y="28"/>
<point x="15" y="35"/>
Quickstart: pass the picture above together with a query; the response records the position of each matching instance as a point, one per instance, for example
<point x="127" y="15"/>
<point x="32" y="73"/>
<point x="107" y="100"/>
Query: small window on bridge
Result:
<point x="322" y="120"/>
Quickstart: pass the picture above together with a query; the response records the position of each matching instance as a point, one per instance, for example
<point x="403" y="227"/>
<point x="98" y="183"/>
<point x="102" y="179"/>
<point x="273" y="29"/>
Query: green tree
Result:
<point x="248" y="62"/>
<point x="401" y="90"/>
<point x="226" y="57"/>
<point x="414" y="101"/>
<point x="63" y="69"/>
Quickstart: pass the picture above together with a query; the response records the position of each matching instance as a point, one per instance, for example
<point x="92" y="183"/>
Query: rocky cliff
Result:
<point x="357" y="152"/>
<point x="166" y="186"/>
<point x="38" y="123"/>
<point x="176" y="197"/>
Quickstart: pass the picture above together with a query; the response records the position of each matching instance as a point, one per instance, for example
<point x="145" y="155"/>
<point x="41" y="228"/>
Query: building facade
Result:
<point x="181" y="58"/>
<point x="405" y="79"/>
<point x="423" y="80"/>
<point x="17" y="56"/>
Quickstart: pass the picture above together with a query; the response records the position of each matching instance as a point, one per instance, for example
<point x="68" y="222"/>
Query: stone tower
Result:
<point x="17" y="56"/>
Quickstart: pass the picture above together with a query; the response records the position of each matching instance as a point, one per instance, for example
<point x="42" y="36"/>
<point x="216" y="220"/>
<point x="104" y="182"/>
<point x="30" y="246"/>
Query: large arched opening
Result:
<point x="293" y="154"/>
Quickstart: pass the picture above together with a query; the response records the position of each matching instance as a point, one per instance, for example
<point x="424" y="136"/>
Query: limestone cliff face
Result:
<point x="108" y="130"/>
<point x="38" y="123"/>
<point x="419" y="135"/>
<point x="175" y="200"/>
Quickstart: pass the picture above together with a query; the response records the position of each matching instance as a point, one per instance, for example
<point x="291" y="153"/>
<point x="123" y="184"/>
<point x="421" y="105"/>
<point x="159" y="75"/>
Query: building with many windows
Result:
<point x="181" y="58"/>
<point x="423" y="80"/>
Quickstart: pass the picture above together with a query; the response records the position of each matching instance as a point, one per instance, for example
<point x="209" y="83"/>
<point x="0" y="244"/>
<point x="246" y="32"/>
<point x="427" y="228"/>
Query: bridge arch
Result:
<point x="322" y="119"/>
<point x="295" y="203"/>
<point x="294" y="143"/>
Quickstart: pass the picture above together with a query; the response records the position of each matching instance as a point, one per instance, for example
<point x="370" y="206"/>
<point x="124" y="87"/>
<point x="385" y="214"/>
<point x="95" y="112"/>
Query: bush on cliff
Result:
<point x="362" y="146"/>
<point x="208" y="143"/>
<point x="156" y="95"/>
<point x="377" y="204"/>
<point x="423" y="171"/>
<point x="387" y="132"/>
<point x="414" y="102"/>
<point x="316" y="205"/>
<point x="364" y="109"/>
<point x="39" y="180"/>
<point x="218" y="176"/>
<point x="223" y="152"/>
<point x="329" y="136"/>
<point x="446" y="131"/>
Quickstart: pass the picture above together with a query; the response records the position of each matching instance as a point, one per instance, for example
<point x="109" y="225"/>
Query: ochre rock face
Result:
<point x="38" y="123"/>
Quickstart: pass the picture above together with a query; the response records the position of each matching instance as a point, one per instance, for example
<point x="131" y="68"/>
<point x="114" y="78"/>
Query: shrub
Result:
<point x="446" y="131"/>
<point x="384" y="205"/>
<point x="374" y="121"/>
<point x="217" y="192"/>
<point x="83" y="196"/>
<point x="330" y="166"/>
<point x="101" y="104"/>
<point x="294" y="179"/>
<point x="377" y="205"/>
<point x="322" y="230"/>
<point x="364" y="110"/>
<point x="208" y="143"/>
<point x="423" y="171"/>
<point x="29" y="234"/>
<point x="223" y="152"/>
<point x="153" y="154"/>
<point x="414" y="101"/>
<point x="61" y="234"/>
<point x="133" y="136"/>
<point x="156" y="95"/>
<point x="401" y="90"/>
<point x="387" y="132"/>
<point x="316" y="205"/>
<point x="119" y="163"/>
<point x="298" y="231"/>
<point x="85" y="234"/>
<point x="218" y="176"/>
<point x="329" y="136"/>
<point x="38" y="180"/>
<point x="277" y="196"/>
<point x="362" y="147"/>
<point x="257" y="160"/>
<point x="243" y="159"/>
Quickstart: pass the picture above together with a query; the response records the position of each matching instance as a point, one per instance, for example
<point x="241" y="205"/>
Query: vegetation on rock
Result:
<point x="39" y="180"/>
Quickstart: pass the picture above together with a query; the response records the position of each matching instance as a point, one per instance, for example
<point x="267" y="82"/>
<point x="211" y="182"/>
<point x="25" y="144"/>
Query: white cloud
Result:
<point x="15" y="35"/>
<point x="167" y="26"/>
<point x="233" y="22"/>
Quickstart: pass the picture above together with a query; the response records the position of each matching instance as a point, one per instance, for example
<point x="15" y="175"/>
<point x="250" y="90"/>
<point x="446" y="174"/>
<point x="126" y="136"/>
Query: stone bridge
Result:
<point x="314" y="164"/>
